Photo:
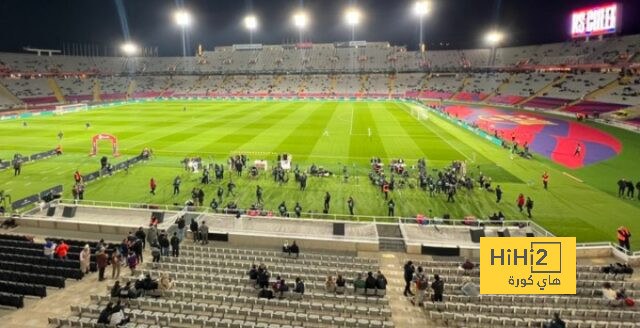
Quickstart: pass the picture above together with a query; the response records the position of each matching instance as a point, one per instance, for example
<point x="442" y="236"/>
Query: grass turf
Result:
<point x="215" y="129"/>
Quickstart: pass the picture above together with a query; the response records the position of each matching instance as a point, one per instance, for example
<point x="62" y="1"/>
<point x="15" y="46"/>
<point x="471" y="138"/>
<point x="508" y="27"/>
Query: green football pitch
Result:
<point x="329" y="134"/>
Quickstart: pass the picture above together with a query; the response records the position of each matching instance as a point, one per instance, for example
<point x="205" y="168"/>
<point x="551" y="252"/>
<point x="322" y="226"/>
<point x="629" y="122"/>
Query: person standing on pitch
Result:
<point x="520" y="202"/>
<point x="392" y="206"/>
<point x="578" y="150"/>
<point x="17" y="167"/>
<point x="152" y="186"/>
<point x="545" y="180"/>
<point x="622" y="185"/>
<point x="298" y="209"/>
<point x="529" y="205"/>
<point x="176" y="185"/>
<point x="327" y="202"/>
<point x="351" y="204"/>
<point x="220" y="193"/>
<point x="498" y="194"/>
<point x="259" y="194"/>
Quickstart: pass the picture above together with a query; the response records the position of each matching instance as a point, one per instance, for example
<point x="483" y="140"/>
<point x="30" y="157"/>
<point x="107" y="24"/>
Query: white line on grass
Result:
<point x="351" y="126"/>
<point x="571" y="176"/>
<point x="440" y="136"/>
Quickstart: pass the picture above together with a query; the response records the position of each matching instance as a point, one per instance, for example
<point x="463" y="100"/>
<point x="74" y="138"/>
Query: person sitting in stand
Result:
<point x="359" y="283"/>
<point x="611" y="295"/>
<point x="330" y="285"/>
<point x="62" y="250"/>
<point x="294" y="249"/>
<point x="340" y="284"/>
<point x="118" y="317"/>
<point x="49" y="248"/>
<point x="381" y="281"/>
<point x="467" y="266"/>
<point x="469" y="288"/>
<point x="165" y="283"/>
<point x="556" y="322"/>
<point x="299" y="288"/>
<point x="105" y="314"/>
<point x="253" y="274"/>
<point x="370" y="282"/>
<point x="115" y="290"/>
<point x="282" y="288"/>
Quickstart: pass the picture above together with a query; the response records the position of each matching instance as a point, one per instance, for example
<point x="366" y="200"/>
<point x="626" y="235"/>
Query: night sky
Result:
<point x="451" y="24"/>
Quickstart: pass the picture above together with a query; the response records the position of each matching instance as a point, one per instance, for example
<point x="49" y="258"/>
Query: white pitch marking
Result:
<point x="572" y="177"/>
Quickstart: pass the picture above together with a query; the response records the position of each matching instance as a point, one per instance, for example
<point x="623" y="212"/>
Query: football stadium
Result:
<point x="227" y="179"/>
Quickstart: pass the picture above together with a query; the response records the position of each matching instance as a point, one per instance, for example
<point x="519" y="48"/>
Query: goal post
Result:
<point x="62" y="109"/>
<point x="419" y="113"/>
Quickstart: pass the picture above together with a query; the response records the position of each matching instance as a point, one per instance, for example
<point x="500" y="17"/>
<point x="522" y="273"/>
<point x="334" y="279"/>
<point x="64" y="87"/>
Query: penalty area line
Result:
<point x="572" y="177"/>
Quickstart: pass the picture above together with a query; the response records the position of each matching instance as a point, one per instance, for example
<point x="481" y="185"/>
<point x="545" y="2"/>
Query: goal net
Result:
<point x="419" y="113"/>
<point x="62" y="109"/>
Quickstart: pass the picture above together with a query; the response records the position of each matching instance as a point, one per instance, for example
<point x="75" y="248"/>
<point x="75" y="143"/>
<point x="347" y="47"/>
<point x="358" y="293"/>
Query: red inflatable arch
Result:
<point x="104" y="136"/>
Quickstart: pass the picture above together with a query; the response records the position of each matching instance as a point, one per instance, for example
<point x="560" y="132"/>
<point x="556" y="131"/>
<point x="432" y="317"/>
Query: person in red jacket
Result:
<point x="77" y="177"/>
<point x="624" y="237"/>
<point x="545" y="180"/>
<point x="520" y="202"/>
<point x="62" y="250"/>
<point x="152" y="186"/>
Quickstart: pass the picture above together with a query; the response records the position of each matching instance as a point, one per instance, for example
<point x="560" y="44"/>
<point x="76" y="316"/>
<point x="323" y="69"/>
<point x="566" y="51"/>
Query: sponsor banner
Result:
<point x="42" y="155"/>
<point x="53" y="191"/>
<point x="91" y="176"/>
<point x="4" y="165"/>
<point x="25" y="201"/>
<point x="528" y="265"/>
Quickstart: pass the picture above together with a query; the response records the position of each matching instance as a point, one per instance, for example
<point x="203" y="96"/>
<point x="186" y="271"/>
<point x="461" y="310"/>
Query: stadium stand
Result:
<point x="585" y="309"/>
<point x="212" y="288"/>
<point x="26" y="271"/>
<point x="377" y="69"/>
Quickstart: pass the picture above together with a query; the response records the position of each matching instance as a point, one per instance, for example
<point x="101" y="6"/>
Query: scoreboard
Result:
<point x="594" y="21"/>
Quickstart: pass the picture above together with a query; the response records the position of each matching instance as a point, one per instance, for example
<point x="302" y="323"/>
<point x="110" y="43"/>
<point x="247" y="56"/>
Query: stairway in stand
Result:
<point x="390" y="238"/>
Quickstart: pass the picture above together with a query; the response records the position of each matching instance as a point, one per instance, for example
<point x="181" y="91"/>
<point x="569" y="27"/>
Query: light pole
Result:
<point x="183" y="19"/>
<point x="493" y="38"/>
<point x="421" y="9"/>
<point x="251" y="23"/>
<point x="300" y="20"/>
<point x="352" y="16"/>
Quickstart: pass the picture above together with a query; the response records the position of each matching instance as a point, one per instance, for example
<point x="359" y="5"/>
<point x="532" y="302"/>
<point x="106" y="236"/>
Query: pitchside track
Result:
<point x="329" y="134"/>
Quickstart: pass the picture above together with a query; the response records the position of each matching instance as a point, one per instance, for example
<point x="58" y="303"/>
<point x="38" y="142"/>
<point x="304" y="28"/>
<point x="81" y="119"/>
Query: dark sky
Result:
<point x="459" y="23"/>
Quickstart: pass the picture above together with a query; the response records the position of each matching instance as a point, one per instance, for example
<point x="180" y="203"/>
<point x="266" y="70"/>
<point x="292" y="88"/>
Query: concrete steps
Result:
<point x="53" y="85"/>
<point x="390" y="238"/>
<point x="5" y="93"/>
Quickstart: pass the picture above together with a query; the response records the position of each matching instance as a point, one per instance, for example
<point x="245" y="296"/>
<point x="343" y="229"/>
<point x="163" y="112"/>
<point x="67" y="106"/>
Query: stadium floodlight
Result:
<point x="352" y="16"/>
<point x="300" y="20"/>
<point x="129" y="48"/>
<point x="182" y="18"/>
<point x="494" y="37"/>
<point x="251" y="22"/>
<point x="422" y="8"/>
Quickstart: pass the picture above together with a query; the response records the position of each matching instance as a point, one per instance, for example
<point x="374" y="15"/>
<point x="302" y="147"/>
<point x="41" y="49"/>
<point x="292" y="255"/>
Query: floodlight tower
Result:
<point x="421" y="9"/>
<point x="493" y="38"/>
<point x="300" y="21"/>
<point x="183" y="19"/>
<point x="251" y="23"/>
<point x="353" y="16"/>
<point x="129" y="49"/>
